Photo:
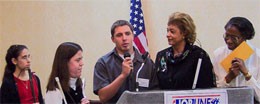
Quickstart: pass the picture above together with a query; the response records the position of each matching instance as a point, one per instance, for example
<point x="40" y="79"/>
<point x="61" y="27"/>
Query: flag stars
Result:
<point x="140" y="27"/>
<point x="134" y="25"/>
<point x="141" y="21"/>
<point x="136" y="12"/>
<point x="141" y="14"/>
<point x="135" y="19"/>
<point x="136" y="6"/>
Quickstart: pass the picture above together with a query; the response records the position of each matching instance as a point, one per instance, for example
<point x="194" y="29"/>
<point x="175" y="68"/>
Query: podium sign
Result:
<point x="237" y="95"/>
<point x="196" y="97"/>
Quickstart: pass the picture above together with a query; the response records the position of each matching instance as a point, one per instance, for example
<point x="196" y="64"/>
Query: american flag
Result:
<point x="137" y="20"/>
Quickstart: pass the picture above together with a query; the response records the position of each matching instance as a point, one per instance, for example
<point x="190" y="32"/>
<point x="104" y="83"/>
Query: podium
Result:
<point x="237" y="95"/>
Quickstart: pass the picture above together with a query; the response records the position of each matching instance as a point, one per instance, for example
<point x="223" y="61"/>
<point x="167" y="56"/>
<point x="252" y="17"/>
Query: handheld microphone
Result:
<point x="127" y="54"/>
<point x="145" y="55"/>
<point x="130" y="76"/>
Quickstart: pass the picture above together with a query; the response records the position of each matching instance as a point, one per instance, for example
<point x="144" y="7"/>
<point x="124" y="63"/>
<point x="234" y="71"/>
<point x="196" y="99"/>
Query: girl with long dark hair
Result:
<point x="19" y="84"/>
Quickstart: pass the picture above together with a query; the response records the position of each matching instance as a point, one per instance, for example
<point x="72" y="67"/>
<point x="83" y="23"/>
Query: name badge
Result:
<point x="143" y="82"/>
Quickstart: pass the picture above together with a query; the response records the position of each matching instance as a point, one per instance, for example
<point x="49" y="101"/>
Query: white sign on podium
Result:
<point x="196" y="97"/>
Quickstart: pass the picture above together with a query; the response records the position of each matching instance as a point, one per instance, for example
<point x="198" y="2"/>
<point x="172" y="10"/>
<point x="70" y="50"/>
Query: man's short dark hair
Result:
<point x="120" y="23"/>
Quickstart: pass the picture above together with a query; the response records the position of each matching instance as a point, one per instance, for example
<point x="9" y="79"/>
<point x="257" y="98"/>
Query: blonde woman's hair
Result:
<point x="186" y="25"/>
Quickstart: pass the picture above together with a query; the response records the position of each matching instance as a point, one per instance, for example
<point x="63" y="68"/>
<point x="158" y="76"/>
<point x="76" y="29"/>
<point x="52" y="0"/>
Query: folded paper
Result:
<point x="243" y="51"/>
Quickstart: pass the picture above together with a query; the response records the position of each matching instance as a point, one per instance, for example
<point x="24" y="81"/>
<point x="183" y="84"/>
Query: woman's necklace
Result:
<point x="23" y="78"/>
<point x="25" y="83"/>
<point x="177" y="55"/>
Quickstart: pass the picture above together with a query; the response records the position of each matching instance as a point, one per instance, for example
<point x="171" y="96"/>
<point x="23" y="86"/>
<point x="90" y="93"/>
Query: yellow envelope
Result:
<point x="243" y="51"/>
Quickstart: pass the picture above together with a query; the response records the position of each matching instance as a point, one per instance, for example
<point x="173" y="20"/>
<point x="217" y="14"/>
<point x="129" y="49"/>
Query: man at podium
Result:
<point x="117" y="71"/>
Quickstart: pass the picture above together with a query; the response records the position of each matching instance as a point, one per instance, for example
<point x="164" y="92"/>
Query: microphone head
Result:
<point x="127" y="54"/>
<point x="145" y="55"/>
<point x="57" y="79"/>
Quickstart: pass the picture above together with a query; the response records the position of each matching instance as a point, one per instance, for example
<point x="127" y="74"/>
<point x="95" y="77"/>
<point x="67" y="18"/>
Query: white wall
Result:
<point x="43" y="25"/>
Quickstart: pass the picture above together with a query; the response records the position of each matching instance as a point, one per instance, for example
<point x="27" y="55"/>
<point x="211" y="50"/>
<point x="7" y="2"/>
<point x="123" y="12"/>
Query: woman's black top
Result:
<point x="177" y="73"/>
<point x="74" y="96"/>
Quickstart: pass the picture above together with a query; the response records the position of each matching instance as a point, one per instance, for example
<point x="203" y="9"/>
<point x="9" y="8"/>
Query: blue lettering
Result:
<point x="197" y="101"/>
<point x="215" y="101"/>
<point x="200" y="101"/>
<point x="184" y="101"/>
<point x="207" y="100"/>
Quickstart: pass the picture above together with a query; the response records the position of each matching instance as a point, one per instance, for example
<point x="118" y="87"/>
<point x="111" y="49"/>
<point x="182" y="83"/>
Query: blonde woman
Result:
<point x="176" y="65"/>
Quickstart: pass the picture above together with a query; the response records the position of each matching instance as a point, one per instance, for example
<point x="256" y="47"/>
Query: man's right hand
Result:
<point x="127" y="66"/>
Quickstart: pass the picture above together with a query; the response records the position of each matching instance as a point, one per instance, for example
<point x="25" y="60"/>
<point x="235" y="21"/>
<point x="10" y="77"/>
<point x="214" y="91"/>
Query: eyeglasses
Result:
<point x="232" y="37"/>
<point x="26" y="57"/>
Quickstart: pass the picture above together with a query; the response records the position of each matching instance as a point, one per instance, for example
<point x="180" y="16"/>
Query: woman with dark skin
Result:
<point x="241" y="73"/>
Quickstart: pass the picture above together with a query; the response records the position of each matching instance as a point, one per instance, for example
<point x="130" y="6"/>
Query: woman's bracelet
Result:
<point x="247" y="76"/>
